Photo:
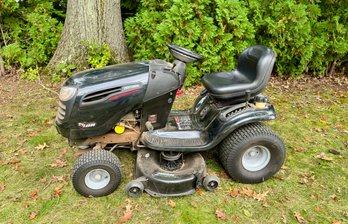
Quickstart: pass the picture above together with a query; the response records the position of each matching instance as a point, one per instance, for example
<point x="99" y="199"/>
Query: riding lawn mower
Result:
<point x="130" y="106"/>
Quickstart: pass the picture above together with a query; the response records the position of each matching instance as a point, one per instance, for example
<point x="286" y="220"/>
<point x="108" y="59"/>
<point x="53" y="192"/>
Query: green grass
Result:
<point x="310" y="121"/>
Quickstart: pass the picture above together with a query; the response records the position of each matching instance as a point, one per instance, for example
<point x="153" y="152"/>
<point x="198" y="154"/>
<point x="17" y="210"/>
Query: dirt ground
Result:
<point x="11" y="85"/>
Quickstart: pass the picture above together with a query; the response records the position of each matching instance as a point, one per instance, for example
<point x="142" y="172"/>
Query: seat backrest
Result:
<point x="256" y="63"/>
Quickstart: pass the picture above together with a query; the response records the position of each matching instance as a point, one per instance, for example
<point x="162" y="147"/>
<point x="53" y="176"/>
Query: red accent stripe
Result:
<point x="123" y="94"/>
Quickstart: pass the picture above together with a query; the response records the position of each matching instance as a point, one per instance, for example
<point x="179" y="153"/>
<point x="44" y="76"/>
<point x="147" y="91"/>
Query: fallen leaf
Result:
<point x="2" y="187"/>
<point x="13" y="161"/>
<point x="129" y="205"/>
<point x="248" y="192"/>
<point x="265" y="205"/>
<point x="199" y="191"/>
<point x="128" y="214"/>
<point x="345" y="214"/>
<point x="324" y="157"/>
<point x="300" y="218"/>
<point x="26" y="205"/>
<point x="334" y="197"/>
<point x="172" y="203"/>
<point x="194" y="204"/>
<point x="317" y="209"/>
<point x="33" y="134"/>
<point x="33" y="215"/>
<point x="234" y="193"/>
<point x="235" y="218"/>
<point x="43" y="180"/>
<point x="58" y="163"/>
<point x="314" y="196"/>
<point x="63" y="152"/>
<point x="287" y="198"/>
<point x="224" y="175"/>
<point x="336" y="222"/>
<point x="34" y="195"/>
<point x="284" y="167"/>
<point x="260" y="196"/>
<point x="247" y="213"/>
<point x="16" y="166"/>
<point x="313" y="220"/>
<point x="57" y="178"/>
<point x="220" y="215"/>
<point x="299" y="149"/>
<point x="137" y="207"/>
<point x="42" y="146"/>
<point x="303" y="180"/>
<point x="346" y="144"/>
<point x="57" y="192"/>
<point x="23" y="151"/>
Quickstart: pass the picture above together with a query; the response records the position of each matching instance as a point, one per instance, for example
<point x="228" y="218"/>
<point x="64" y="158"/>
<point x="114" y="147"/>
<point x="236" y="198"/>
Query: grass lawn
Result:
<point x="312" y="186"/>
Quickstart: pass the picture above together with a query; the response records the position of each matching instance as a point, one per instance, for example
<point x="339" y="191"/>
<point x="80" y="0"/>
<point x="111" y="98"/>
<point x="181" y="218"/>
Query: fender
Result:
<point x="224" y="124"/>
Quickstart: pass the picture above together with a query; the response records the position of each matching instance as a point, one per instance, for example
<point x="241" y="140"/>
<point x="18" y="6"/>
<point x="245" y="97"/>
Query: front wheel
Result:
<point x="252" y="154"/>
<point x="96" y="173"/>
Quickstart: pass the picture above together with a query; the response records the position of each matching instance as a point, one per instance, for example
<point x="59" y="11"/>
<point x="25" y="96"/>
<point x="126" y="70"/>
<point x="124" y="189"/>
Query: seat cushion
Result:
<point x="251" y="76"/>
<point x="225" y="83"/>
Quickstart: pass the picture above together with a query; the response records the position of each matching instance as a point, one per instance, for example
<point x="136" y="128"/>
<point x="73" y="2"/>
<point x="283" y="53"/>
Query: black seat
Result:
<point x="254" y="69"/>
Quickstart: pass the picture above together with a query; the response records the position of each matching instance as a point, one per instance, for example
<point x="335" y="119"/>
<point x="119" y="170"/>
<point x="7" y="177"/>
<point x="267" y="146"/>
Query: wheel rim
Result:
<point x="134" y="191"/>
<point x="212" y="185"/>
<point x="97" y="179"/>
<point x="256" y="158"/>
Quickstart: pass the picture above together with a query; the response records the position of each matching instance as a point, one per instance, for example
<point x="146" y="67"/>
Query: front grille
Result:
<point x="100" y="95"/>
<point x="61" y="111"/>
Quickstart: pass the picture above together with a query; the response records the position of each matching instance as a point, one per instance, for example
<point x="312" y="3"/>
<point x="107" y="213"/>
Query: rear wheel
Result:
<point x="253" y="153"/>
<point x="96" y="173"/>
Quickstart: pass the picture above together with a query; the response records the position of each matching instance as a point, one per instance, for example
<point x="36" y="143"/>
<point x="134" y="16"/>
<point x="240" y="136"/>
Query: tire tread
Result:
<point x="229" y="147"/>
<point x="99" y="156"/>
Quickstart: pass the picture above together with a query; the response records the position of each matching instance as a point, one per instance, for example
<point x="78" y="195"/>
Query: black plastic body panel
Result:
<point x="215" y="124"/>
<point x="160" y="94"/>
<point x="96" y="117"/>
<point x="157" y="110"/>
<point x="107" y="94"/>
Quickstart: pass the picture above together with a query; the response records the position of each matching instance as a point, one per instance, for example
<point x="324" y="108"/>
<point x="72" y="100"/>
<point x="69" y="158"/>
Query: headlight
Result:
<point x="66" y="93"/>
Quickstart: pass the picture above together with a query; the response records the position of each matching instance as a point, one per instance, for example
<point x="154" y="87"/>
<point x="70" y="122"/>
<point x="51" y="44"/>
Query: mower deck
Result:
<point x="163" y="178"/>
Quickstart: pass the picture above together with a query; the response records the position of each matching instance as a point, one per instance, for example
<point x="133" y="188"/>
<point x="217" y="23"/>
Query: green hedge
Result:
<point x="30" y="31"/>
<point x="308" y="36"/>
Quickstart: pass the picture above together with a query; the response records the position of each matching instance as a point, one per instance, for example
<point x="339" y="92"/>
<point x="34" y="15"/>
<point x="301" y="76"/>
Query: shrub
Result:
<point x="31" y="31"/>
<point x="286" y="27"/>
<point x="303" y="34"/>
<point x="308" y="36"/>
<point x="218" y="30"/>
<point x="98" y="55"/>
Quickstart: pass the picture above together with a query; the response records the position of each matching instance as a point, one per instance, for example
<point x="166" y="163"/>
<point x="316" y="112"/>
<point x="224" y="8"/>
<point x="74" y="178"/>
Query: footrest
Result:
<point x="171" y="139"/>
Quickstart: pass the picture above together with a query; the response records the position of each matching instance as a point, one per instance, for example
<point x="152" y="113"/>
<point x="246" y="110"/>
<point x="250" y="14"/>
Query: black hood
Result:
<point x="108" y="73"/>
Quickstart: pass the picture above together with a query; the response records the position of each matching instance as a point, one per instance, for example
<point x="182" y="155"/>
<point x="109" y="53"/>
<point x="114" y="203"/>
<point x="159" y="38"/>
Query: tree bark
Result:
<point x="98" y="22"/>
<point x="2" y="69"/>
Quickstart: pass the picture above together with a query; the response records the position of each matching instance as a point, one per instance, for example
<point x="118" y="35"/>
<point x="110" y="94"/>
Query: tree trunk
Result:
<point x="2" y="69"/>
<point x="98" y="22"/>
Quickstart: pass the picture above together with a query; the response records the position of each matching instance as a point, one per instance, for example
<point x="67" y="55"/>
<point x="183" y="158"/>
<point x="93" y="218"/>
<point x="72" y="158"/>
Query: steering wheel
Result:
<point x="183" y="54"/>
